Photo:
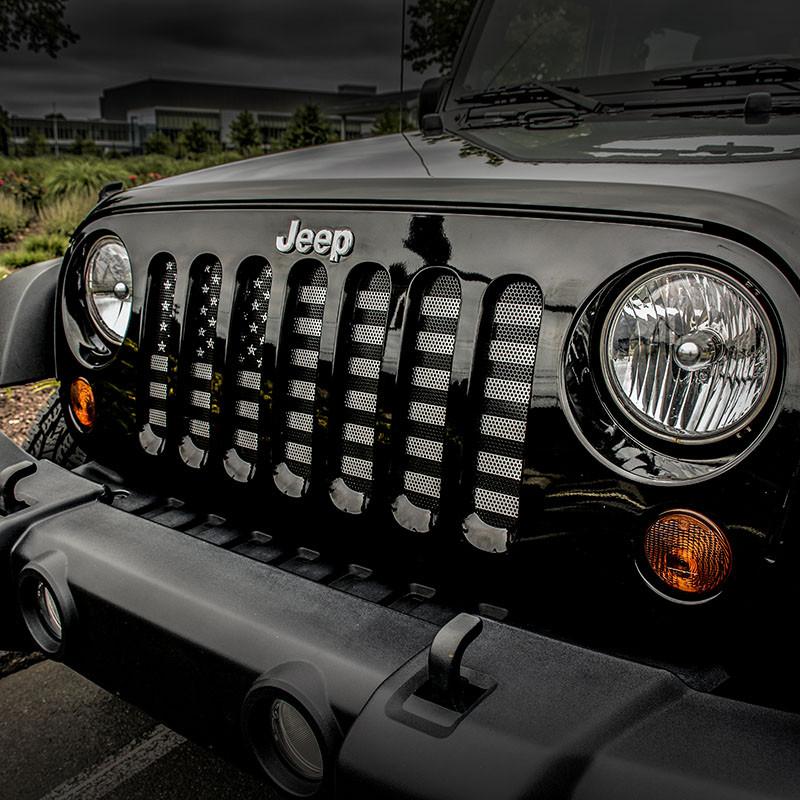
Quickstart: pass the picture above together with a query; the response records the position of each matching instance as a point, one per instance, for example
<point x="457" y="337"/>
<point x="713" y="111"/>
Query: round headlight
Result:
<point x="109" y="288"/>
<point x="689" y="354"/>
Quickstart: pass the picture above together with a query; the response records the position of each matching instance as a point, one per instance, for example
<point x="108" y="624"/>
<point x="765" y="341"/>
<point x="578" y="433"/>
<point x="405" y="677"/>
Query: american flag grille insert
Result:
<point x="366" y="337"/>
<point x="432" y="343"/>
<point x="251" y="311"/>
<point x="505" y="360"/>
<point x="199" y="349"/>
<point x="302" y="333"/>
<point x="159" y="332"/>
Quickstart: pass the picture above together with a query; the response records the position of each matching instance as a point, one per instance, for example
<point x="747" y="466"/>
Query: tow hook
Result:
<point x="447" y="686"/>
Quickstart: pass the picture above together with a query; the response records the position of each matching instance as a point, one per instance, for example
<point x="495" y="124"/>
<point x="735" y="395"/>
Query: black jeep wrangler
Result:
<point x="457" y="464"/>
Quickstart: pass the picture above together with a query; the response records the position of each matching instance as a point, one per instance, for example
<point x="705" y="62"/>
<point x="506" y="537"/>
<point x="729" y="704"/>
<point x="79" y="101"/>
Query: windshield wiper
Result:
<point x="530" y="92"/>
<point x="737" y="74"/>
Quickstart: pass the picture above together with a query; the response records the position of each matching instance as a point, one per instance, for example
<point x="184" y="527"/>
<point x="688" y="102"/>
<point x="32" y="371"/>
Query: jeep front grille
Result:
<point x="364" y="432"/>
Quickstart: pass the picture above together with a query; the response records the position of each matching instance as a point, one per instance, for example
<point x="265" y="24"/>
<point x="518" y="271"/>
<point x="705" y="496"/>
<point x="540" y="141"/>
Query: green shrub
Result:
<point x="40" y="247"/>
<point x="13" y="217"/>
<point x="85" y="176"/>
<point x="159" y="164"/>
<point x="54" y="243"/>
<point x="159" y="143"/>
<point x="21" y="181"/>
<point x="63" y="215"/>
<point x="24" y="258"/>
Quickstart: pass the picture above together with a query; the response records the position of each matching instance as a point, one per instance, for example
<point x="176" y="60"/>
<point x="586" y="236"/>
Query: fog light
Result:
<point x="48" y="610"/>
<point x="81" y="398"/>
<point x="688" y="554"/>
<point x="296" y="741"/>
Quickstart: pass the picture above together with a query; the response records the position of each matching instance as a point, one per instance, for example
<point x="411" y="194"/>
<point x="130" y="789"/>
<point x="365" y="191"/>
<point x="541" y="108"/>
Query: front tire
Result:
<point x="50" y="438"/>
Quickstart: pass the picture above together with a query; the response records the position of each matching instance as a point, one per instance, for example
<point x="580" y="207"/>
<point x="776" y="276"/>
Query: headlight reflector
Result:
<point x="109" y="288"/>
<point x="689" y="354"/>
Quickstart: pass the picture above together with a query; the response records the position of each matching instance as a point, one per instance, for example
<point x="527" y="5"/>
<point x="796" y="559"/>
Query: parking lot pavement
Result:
<point x="63" y="738"/>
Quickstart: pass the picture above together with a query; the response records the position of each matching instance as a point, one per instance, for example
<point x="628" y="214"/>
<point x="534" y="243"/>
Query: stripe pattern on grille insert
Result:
<point x="158" y="338"/>
<point x="366" y="337"/>
<point x="433" y="342"/>
<point x="504" y="365"/>
<point x="302" y="331"/>
<point x="250" y="320"/>
<point x="198" y="355"/>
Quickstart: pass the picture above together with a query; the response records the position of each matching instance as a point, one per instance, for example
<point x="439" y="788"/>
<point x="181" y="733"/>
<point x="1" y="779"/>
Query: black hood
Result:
<point x="712" y="170"/>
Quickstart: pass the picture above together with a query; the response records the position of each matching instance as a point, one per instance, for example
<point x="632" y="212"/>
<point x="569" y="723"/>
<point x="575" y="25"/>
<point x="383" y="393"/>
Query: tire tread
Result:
<point x="49" y="437"/>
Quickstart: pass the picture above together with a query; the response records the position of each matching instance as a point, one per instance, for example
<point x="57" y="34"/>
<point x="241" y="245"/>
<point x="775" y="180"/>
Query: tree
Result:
<point x="5" y="132"/>
<point x="390" y="122"/>
<point x="84" y="147"/>
<point x="196" y="139"/>
<point x="35" y="24"/>
<point x="244" y="133"/>
<point x="308" y="127"/>
<point x="158" y="143"/>
<point x="435" y="33"/>
<point x="35" y="144"/>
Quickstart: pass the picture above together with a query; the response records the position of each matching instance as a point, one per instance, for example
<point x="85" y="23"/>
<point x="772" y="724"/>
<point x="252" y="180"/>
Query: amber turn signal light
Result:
<point x="688" y="553"/>
<point x="81" y="398"/>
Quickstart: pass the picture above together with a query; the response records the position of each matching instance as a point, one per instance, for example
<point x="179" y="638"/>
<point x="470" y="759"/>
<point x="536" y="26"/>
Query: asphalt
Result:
<point x="63" y="738"/>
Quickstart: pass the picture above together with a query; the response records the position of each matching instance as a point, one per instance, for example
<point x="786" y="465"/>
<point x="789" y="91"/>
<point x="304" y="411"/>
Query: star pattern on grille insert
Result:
<point x="250" y="315"/>
<point x="200" y="347"/>
<point x="160" y="327"/>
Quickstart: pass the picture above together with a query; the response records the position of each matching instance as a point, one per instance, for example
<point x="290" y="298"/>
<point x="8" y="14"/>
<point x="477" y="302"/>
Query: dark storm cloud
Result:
<point x="300" y="43"/>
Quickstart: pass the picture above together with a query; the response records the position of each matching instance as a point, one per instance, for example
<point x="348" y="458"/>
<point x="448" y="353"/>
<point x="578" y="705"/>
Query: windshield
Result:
<point x="518" y="41"/>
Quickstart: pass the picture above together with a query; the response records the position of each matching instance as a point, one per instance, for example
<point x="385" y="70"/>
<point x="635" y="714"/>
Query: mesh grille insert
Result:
<point x="504" y="365"/>
<point x="363" y="354"/>
<point x="199" y="353"/>
<point x="302" y="332"/>
<point x="158" y="346"/>
<point x="431" y="361"/>
<point x="251" y="311"/>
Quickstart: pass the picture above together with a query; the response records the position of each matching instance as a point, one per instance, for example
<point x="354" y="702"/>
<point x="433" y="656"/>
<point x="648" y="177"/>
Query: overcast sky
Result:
<point x="309" y="44"/>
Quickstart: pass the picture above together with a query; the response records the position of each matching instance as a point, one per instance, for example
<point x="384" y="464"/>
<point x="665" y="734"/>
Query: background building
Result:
<point x="130" y="114"/>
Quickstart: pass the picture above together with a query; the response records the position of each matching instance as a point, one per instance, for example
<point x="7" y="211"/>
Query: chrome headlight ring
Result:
<point x="619" y="432"/>
<point x="688" y="354"/>
<point x="108" y="283"/>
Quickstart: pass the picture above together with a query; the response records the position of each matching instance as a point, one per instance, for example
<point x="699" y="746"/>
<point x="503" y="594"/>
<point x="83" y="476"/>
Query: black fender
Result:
<point x="27" y="315"/>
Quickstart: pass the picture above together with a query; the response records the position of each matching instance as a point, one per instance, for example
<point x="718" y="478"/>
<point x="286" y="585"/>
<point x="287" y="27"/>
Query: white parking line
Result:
<point x="99" y="780"/>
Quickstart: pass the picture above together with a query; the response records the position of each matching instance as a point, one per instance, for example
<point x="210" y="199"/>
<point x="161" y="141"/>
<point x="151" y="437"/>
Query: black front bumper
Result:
<point x="186" y="629"/>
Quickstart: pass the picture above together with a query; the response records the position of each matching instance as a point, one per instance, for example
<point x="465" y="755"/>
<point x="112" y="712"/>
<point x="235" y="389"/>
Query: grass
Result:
<point x="39" y="247"/>
<point x="63" y="215"/>
<point x="82" y="176"/>
<point x="14" y="217"/>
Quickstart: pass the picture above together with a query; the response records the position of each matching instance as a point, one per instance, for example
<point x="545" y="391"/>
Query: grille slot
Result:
<point x="248" y="341"/>
<point x="158" y="346"/>
<point x="199" y="358"/>
<point x="363" y="353"/>
<point x="504" y="365"/>
<point x="301" y="336"/>
<point x="431" y="343"/>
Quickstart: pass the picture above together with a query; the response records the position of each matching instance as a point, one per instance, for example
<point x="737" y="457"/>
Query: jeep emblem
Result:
<point x="337" y="244"/>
